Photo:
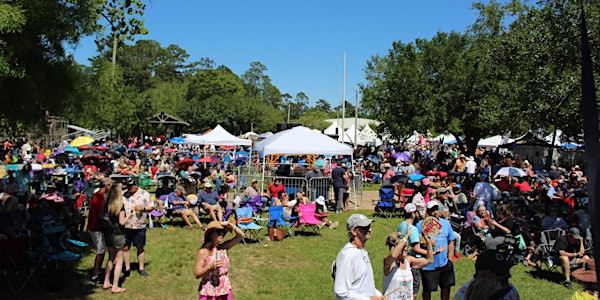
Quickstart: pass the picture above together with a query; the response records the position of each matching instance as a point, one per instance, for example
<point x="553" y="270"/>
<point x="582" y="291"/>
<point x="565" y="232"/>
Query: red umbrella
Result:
<point x="170" y="150"/>
<point x="101" y="148"/>
<point x="185" y="162"/>
<point x="85" y="147"/>
<point x="207" y="159"/>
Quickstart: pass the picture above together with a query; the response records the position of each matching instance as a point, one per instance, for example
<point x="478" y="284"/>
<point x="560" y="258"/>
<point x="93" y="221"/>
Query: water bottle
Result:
<point x="218" y="256"/>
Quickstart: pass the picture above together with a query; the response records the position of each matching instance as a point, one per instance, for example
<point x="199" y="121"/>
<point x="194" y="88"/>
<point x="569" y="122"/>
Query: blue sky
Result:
<point x="301" y="43"/>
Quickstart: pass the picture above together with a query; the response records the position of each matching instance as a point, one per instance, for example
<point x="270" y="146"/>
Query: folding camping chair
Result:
<point x="55" y="248"/>
<point x="545" y="250"/>
<point x="276" y="219"/>
<point x="386" y="205"/>
<point x="308" y="221"/>
<point x="17" y="267"/>
<point x="245" y="221"/>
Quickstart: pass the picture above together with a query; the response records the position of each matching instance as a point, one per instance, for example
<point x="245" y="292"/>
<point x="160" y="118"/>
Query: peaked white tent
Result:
<point x="348" y="135"/>
<point x="218" y="137"/>
<point x="301" y="140"/>
<point x="494" y="141"/>
<point x="333" y="129"/>
<point x="368" y="135"/>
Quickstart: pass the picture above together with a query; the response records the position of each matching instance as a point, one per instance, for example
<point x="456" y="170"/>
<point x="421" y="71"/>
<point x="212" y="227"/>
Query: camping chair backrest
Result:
<point x="243" y="213"/>
<point x="307" y="213"/>
<point x="470" y="217"/>
<point x="276" y="216"/>
<point x="386" y="193"/>
<point x="55" y="238"/>
<point x="548" y="237"/>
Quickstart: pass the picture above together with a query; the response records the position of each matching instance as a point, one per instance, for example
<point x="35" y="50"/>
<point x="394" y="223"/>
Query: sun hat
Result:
<point x="426" y="181"/>
<point x="470" y="158"/>
<point x="320" y="200"/>
<point x="208" y="185"/>
<point x="213" y="225"/>
<point x="193" y="199"/>
<point x="587" y="273"/>
<point x="254" y="181"/>
<point x="357" y="220"/>
<point x="493" y="261"/>
<point x="410" y="207"/>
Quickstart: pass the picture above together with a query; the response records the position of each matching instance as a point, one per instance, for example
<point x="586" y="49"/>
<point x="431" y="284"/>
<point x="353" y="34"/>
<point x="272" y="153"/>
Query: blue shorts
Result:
<point x="135" y="236"/>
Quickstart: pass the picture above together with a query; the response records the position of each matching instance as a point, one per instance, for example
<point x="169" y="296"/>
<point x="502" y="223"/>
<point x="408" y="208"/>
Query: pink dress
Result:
<point x="215" y="284"/>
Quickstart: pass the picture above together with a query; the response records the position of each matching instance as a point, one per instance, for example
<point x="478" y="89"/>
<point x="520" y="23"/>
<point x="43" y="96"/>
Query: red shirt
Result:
<point x="96" y="205"/>
<point x="276" y="190"/>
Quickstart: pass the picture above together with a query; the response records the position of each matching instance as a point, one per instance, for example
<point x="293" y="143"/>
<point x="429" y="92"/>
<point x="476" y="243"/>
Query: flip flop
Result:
<point x="106" y="288"/>
<point x="120" y="290"/>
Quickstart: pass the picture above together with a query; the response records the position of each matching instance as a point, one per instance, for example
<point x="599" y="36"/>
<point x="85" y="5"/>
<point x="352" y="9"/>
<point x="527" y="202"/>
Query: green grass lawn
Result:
<point x="296" y="268"/>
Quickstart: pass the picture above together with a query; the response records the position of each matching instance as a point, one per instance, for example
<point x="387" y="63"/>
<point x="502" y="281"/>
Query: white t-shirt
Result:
<point x="399" y="278"/>
<point x="354" y="275"/>
<point x="471" y="166"/>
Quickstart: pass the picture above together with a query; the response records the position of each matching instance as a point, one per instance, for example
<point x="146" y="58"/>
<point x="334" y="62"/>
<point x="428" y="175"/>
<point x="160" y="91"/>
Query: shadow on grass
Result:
<point x="547" y="275"/>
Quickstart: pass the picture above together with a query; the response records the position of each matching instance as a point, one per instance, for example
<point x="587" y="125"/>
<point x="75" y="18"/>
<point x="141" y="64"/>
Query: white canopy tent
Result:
<point x="368" y="135"/>
<point x="218" y="137"/>
<point x="300" y="141"/>
<point x="493" y="141"/>
<point x="333" y="129"/>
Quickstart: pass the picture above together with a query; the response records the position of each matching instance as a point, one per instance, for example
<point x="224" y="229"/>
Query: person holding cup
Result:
<point x="212" y="262"/>
<point x="137" y="202"/>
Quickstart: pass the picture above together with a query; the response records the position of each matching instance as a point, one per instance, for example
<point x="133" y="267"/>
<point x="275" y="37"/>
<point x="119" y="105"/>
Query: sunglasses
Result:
<point x="364" y="230"/>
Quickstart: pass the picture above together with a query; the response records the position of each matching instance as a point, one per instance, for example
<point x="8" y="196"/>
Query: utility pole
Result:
<point x="344" y="100"/>
<point x="356" y="120"/>
<point x="288" y="119"/>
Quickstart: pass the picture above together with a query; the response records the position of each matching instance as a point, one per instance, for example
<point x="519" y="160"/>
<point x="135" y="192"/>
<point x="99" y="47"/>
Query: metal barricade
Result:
<point x="293" y="185"/>
<point x="320" y="186"/>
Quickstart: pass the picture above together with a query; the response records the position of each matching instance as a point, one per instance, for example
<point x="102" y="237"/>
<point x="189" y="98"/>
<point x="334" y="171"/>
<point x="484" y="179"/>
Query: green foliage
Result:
<point x="36" y="75"/>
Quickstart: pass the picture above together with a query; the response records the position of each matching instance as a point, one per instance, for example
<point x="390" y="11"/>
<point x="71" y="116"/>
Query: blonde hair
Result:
<point x="114" y="200"/>
<point x="392" y="239"/>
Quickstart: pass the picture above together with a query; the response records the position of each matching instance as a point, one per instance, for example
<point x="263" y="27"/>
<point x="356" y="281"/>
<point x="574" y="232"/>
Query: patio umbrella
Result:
<point x="207" y="160"/>
<point x="186" y="162"/>
<point x="374" y="159"/>
<point x="82" y="140"/>
<point x="510" y="171"/>
<point x="416" y="177"/>
<point x="177" y="140"/>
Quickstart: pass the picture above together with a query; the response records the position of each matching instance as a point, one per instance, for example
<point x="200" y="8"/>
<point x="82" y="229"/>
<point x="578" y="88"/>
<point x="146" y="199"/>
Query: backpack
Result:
<point x="106" y="224"/>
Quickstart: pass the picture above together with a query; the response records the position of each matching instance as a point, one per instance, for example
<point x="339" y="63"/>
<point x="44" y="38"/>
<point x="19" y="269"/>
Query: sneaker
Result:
<point x="143" y="273"/>
<point x="568" y="285"/>
<point x="334" y="225"/>
<point x="126" y="273"/>
<point x="96" y="280"/>
<point x="458" y="256"/>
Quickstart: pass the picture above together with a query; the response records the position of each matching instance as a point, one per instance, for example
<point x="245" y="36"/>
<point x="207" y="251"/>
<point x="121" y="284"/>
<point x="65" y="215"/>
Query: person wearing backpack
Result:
<point x="114" y="238"/>
<point x="96" y="235"/>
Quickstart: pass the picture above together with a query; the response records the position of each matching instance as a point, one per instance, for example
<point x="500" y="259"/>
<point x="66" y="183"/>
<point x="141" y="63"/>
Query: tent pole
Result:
<point x="262" y="182"/>
<point x="354" y="185"/>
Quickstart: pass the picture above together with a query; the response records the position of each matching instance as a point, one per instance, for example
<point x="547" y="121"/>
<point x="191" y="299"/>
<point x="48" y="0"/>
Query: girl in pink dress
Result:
<point x="212" y="262"/>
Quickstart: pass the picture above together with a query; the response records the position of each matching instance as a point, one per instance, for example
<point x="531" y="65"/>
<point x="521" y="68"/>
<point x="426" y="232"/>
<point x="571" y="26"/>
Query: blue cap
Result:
<point x="457" y="186"/>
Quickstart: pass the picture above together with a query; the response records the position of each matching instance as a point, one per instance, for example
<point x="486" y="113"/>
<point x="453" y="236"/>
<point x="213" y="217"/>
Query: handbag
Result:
<point x="276" y="234"/>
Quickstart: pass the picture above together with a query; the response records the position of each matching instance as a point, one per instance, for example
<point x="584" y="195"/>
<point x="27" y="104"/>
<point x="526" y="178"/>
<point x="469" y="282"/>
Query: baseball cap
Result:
<point x="493" y="261"/>
<point x="458" y="186"/>
<point x="441" y="190"/>
<point x="431" y="204"/>
<point x="410" y="207"/>
<point x="574" y="231"/>
<point x="358" y="220"/>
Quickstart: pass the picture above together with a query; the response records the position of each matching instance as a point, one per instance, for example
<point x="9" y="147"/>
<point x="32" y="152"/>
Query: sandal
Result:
<point x="106" y="288"/>
<point x="120" y="290"/>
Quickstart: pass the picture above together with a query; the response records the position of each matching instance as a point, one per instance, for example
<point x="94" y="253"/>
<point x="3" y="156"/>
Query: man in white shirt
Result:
<point x="354" y="272"/>
<point x="471" y="166"/>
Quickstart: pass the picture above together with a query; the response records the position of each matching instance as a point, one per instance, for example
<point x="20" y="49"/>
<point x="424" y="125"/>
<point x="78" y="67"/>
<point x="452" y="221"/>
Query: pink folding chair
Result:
<point x="308" y="221"/>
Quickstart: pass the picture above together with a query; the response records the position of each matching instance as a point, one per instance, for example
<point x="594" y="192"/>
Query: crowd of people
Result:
<point x="477" y="211"/>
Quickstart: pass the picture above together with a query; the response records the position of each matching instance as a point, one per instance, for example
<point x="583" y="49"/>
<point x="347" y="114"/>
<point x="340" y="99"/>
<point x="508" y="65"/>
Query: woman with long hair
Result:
<point x="499" y="229"/>
<point x="212" y="262"/>
<point x="113" y="206"/>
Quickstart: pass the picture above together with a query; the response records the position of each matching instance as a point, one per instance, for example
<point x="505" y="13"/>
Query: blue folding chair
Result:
<point x="276" y="219"/>
<point x="386" y="205"/>
<point x="245" y="221"/>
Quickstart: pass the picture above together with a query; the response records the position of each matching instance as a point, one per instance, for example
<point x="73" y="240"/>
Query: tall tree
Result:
<point x="36" y="74"/>
<point x="123" y="18"/>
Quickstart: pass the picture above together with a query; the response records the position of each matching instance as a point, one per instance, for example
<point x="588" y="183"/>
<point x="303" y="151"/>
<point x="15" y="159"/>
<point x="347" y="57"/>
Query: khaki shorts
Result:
<point x="98" y="243"/>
